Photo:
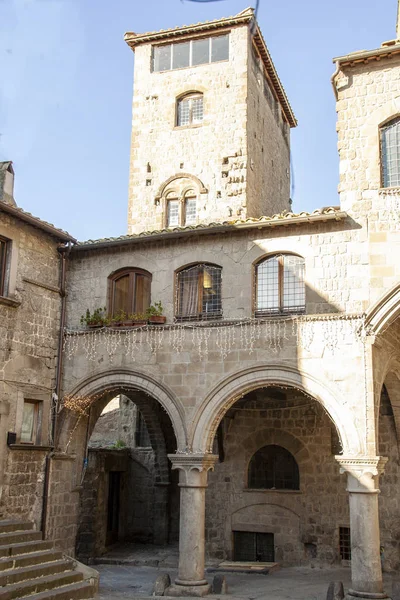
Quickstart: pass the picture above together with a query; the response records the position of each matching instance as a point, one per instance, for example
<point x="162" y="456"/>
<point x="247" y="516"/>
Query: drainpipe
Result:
<point x="333" y="80"/>
<point x="63" y="252"/>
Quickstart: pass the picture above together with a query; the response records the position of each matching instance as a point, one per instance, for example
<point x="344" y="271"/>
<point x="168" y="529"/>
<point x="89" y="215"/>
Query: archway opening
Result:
<point x="276" y="494"/>
<point x="130" y="495"/>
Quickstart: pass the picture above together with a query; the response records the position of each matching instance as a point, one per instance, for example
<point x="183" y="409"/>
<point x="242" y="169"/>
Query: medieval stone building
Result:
<point x="269" y="399"/>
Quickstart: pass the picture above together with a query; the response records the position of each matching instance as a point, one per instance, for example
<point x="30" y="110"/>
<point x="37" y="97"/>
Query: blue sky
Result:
<point x="66" y="93"/>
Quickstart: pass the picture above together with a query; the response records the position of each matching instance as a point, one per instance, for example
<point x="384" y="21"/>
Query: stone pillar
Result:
<point x="193" y="469"/>
<point x="362" y="485"/>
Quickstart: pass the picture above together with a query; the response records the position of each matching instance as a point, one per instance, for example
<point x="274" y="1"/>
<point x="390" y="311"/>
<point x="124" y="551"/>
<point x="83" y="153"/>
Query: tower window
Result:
<point x="129" y="291"/>
<point x="279" y="285"/>
<point x="190" y="54"/>
<point x="390" y="153"/>
<point x="273" y="468"/>
<point x="172" y="213"/>
<point x="190" y="210"/>
<point x="4" y="248"/>
<point x="198" y="293"/>
<point x="190" y="110"/>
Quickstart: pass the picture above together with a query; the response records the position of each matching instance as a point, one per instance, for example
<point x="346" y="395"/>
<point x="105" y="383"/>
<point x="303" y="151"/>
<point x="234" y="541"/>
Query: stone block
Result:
<point x="219" y="585"/>
<point x="335" y="591"/>
<point x="161" y="584"/>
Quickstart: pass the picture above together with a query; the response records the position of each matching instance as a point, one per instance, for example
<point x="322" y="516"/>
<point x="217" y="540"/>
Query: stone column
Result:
<point x="193" y="469"/>
<point x="362" y="485"/>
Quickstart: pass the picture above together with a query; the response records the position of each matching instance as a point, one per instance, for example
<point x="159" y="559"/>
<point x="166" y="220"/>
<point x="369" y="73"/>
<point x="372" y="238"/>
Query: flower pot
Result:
<point x="157" y="319"/>
<point x="140" y="323"/>
<point x="94" y="325"/>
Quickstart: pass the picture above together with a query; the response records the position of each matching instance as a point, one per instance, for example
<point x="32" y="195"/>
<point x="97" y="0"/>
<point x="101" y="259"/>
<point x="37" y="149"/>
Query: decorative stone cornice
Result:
<point x="362" y="472"/>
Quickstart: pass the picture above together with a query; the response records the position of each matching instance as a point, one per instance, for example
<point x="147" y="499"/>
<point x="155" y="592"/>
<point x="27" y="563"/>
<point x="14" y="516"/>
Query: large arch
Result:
<point x="228" y="391"/>
<point x="136" y="381"/>
<point x="386" y="310"/>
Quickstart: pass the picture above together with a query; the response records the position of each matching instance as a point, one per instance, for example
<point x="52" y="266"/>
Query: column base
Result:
<point x="195" y="590"/>
<point x="351" y="594"/>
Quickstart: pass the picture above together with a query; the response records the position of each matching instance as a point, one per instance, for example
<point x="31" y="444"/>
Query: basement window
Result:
<point x="345" y="543"/>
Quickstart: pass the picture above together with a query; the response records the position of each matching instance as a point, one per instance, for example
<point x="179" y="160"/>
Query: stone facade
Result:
<point x="243" y="167"/>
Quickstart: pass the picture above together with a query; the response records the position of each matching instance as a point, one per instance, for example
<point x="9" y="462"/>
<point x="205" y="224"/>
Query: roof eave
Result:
<point x="368" y="55"/>
<point x="35" y="222"/>
<point x="223" y="228"/>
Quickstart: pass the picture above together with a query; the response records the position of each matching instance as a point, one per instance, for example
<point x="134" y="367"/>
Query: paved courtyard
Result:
<point x="297" y="583"/>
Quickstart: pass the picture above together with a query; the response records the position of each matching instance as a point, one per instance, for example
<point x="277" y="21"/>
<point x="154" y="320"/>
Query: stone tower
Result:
<point x="210" y="129"/>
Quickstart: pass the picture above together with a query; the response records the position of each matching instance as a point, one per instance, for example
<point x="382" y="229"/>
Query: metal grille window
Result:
<point x="190" y="110"/>
<point x="390" y="153"/>
<point x="273" y="468"/>
<point x="190" y="211"/>
<point x="279" y="285"/>
<point x="3" y="264"/>
<point x="198" y="293"/>
<point x="345" y="543"/>
<point x="249" y="546"/>
<point x="190" y="54"/>
<point x="173" y="213"/>
<point x="129" y="291"/>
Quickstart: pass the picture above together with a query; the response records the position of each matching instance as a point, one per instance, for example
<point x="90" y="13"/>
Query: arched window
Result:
<point x="198" y="293"/>
<point x="172" y="209"/>
<point x="273" y="468"/>
<point x="189" y="110"/>
<point x="279" y="285"/>
<point x="190" y="211"/>
<point x="129" y="291"/>
<point x="390" y="153"/>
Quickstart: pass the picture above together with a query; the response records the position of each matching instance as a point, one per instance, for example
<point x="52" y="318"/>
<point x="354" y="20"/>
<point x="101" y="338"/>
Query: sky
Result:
<point x="66" y="94"/>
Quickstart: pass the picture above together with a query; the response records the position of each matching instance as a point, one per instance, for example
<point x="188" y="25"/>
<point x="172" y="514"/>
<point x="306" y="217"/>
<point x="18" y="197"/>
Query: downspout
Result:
<point x="64" y="253"/>
<point x="333" y="80"/>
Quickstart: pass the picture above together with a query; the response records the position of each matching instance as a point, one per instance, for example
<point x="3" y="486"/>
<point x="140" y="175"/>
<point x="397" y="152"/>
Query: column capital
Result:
<point x="190" y="462"/>
<point x="362" y="472"/>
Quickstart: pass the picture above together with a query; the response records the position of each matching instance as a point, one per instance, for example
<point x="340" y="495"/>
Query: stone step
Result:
<point x="35" y="571"/>
<point x="25" y="548"/>
<point x="12" y="525"/>
<point x="75" y="591"/>
<point x="33" y="558"/>
<point x="16" y="537"/>
<point x="41" y="584"/>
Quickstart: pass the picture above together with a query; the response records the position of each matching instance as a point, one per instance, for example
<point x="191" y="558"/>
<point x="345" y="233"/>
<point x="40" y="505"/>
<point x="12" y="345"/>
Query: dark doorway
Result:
<point x="114" y="487"/>
<point x="249" y="546"/>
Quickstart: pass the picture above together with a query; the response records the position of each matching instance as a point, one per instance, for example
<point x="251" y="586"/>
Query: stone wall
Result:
<point x="298" y="519"/>
<point x="29" y="324"/>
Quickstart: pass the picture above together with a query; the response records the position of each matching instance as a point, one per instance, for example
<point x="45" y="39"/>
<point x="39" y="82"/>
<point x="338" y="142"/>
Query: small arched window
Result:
<point x="198" y="293"/>
<point x="129" y="291"/>
<point x="279" y="285"/>
<point x="190" y="110"/>
<point x="390" y="153"/>
<point x="273" y="468"/>
<point x="190" y="211"/>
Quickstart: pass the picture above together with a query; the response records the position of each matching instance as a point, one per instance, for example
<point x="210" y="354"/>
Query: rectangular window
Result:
<point x="198" y="293"/>
<point x="180" y="55"/>
<point x="190" y="54"/>
<point x="390" y="153"/>
<point x="4" y="245"/>
<point x="190" y="211"/>
<point x="31" y="421"/>
<point x="345" y="543"/>
<point x="173" y="213"/>
<point x="249" y="546"/>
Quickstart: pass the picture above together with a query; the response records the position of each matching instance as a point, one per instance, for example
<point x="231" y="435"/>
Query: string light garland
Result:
<point x="222" y="336"/>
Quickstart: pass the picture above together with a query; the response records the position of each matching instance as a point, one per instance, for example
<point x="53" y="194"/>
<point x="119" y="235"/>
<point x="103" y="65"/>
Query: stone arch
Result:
<point x="136" y="381"/>
<point x="228" y="391"/>
<point x="196" y="181"/>
<point x="381" y="314"/>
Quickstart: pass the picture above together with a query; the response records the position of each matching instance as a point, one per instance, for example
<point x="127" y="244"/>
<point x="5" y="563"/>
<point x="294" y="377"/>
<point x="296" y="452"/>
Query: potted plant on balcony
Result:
<point x="138" y="319"/>
<point x="121" y="319"/>
<point x="155" y="314"/>
<point x="97" y="318"/>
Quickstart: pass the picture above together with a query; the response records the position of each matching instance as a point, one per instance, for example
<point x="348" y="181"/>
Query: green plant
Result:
<point x="119" y="316"/>
<point x="119" y="444"/>
<point x="155" y="310"/>
<point x="97" y="317"/>
<point x="138" y="317"/>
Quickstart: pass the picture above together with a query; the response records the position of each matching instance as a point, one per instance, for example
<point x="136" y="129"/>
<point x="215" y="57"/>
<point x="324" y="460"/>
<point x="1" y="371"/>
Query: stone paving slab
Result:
<point x="297" y="583"/>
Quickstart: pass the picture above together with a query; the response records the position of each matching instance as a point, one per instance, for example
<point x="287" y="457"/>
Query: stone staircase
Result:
<point x="30" y="567"/>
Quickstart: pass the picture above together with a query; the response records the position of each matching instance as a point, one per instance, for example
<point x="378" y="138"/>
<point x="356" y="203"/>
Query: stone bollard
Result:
<point x="219" y="585"/>
<point x="335" y="591"/>
<point x="161" y="584"/>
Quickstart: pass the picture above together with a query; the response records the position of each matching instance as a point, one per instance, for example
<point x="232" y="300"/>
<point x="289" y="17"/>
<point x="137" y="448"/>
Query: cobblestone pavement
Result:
<point x="297" y="583"/>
